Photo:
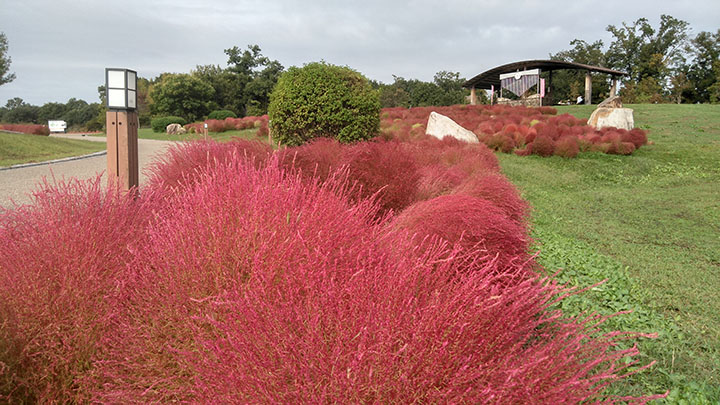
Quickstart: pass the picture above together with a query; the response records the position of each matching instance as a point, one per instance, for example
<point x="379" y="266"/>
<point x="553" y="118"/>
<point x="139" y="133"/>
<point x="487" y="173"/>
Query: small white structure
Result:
<point x="57" y="126"/>
<point x="441" y="126"/>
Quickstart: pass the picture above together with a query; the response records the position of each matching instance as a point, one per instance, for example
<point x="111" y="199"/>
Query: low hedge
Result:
<point x="160" y="123"/>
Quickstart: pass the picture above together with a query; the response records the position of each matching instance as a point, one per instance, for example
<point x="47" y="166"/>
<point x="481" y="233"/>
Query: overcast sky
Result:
<point x="60" y="48"/>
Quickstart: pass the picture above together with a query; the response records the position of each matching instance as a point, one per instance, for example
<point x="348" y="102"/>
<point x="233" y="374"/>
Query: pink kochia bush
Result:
<point x="245" y="279"/>
<point x="63" y="261"/>
<point x="521" y="130"/>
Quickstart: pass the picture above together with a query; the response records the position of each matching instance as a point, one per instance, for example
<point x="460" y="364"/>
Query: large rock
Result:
<point x="175" y="129"/>
<point x="612" y="117"/>
<point x="611" y="102"/>
<point x="441" y="126"/>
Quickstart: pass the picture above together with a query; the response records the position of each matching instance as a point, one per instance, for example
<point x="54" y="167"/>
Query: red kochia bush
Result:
<point x="32" y="129"/>
<point x="63" y="262"/>
<point x="387" y="169"/>
<point x="567" y="147"/>
<point x="471" y="222"/>
<point x="182" y="161"/>
<point x="496" y="188"/>
<point x="258" y="287"/>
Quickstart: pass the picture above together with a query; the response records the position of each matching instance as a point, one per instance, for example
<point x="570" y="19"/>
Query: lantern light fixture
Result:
<point x="121" y="89"/>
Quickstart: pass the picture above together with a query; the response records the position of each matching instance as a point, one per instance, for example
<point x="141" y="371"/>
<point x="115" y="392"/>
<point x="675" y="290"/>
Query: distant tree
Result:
<point x="182" y="95"/>
<point x="651" y="56"/>
<point x="253" y="78"/>
<point x="445" y="89"/>
<point x="703" y="71"/>
<point x="222" y="80"/>
<point x="5" y="61"/>
<point x="18" y="111"/>
<point x="568" y="84"/>
<point x="51" y="111"/>
<point x="451" y="85"/>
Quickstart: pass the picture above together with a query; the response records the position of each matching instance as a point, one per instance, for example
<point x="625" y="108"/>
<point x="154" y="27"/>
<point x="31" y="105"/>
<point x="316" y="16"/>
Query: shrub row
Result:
<point x="521" y="130"/>
<point x="221" y="115"/>
<point x="160" y="124"/>
<point x="380" y="271"/>
<point x="32" y="129"/>
<point x="230" y="124"/>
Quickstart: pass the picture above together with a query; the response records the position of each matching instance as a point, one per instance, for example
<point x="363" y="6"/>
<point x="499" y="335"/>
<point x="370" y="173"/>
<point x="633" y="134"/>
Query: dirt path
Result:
<point x="16" y="184"/>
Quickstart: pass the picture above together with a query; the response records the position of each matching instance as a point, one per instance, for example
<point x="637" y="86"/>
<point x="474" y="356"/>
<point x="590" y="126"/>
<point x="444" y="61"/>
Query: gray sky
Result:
<point x="60" y="48"/>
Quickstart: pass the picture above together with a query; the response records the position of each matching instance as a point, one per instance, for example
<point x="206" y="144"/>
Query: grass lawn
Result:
<point x="650" y="224"/>
<point x="147" y="133"/>
<point x="22" y="148"/>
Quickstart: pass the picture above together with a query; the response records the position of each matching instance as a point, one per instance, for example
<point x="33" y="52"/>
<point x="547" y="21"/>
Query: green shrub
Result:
<point x="160" y="123"/>
<point x="323" y="100"/>
<point x="221" y="115"/>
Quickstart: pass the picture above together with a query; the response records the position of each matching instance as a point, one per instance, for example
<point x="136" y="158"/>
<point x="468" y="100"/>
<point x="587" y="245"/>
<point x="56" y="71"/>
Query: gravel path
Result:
<point x="16" y="184"/>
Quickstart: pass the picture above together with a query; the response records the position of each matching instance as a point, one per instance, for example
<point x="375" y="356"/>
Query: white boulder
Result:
<point x="175" y="129"/>
<point x="441" y="126"/>
<point x="612" y="117"/>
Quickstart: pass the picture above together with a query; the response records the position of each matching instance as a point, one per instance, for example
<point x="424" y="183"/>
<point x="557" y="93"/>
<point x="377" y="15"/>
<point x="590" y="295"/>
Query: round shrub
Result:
<point x="159" y="124"/>
<point x="323" y="100"/>
<point x="221" y="115"/>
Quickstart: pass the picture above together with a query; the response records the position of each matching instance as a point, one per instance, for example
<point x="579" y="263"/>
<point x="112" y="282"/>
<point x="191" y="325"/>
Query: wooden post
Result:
<point x="588" y="88"/>
<point x="613" y="88"/>
<point x="122" y="149"/>
<point x="473" y="96"/>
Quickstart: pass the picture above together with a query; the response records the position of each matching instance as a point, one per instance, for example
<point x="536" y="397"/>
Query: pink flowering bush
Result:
<point x="310" y="275"/>
<point x="519" y="130"/>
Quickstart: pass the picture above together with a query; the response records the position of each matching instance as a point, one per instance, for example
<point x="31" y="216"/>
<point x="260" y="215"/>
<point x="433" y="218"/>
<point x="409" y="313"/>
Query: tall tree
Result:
<point x="651" y="56"/>
<point x="568" y="84"/>
<point x="704" y="68"/>
<point x="5" y="61"/>
<point x="182" y="95"/>
<point x="254" y="77"/>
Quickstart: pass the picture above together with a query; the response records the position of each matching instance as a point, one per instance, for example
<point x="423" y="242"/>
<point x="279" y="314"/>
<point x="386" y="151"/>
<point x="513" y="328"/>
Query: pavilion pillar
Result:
<point x="549" y="89"/>
<point x="588" y="88"/>
<point x="473" y="96"/>
<point x="613" y="88"/>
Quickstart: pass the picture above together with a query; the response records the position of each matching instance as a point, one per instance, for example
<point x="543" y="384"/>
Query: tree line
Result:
<point x="664" y="63"/>
<point x="243" y="87"/>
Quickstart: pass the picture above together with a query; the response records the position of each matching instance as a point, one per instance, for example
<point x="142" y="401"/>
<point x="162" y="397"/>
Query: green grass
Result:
<point x="650" y="223"/>
<point x="21" y="148"/>
<point x="147" y="133"/>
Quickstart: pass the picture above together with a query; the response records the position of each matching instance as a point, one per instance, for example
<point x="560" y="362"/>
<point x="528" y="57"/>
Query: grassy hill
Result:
<point x="648" y="223"/>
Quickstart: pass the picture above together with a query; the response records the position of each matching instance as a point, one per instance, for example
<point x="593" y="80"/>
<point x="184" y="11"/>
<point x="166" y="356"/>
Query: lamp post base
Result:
<point x="122" y="149"/>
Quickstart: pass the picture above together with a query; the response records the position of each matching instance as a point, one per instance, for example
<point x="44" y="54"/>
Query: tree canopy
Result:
<point x="664" y="63"/>
<point x="5" y="61"/>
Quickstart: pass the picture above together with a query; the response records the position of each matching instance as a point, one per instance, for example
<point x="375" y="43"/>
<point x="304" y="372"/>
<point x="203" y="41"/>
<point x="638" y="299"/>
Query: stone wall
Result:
<point x="530" y="101"/>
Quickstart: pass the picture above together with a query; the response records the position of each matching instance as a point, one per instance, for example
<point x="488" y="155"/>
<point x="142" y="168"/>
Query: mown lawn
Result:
<point x="22" y="148"/>
<point x="147" y="133"/>
<point x="650" y="224"/>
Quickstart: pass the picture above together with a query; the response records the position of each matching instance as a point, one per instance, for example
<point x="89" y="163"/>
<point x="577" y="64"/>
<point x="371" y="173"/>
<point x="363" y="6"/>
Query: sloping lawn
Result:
<point x="650" y="224"/>
<point x="23" y="148"/>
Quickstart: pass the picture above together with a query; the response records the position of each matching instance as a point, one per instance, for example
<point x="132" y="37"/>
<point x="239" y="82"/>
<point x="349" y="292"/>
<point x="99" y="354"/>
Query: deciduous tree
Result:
<point x="5" y="60"/>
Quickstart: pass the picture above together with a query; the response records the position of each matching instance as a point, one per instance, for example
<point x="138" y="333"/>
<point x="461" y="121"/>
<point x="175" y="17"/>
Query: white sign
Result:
<point x="517" y="75"/>
<point x="57" y="126"/>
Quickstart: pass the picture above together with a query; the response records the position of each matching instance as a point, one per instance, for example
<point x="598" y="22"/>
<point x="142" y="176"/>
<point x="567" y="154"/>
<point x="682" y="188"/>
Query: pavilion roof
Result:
<point x="492" y="77"/>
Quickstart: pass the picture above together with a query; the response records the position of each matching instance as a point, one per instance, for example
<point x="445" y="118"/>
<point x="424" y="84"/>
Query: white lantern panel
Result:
<point x="116" y="98"/>
<point x="131" y="99"/>
<point x="116" y="79"/>
<point x="131" y="80"/>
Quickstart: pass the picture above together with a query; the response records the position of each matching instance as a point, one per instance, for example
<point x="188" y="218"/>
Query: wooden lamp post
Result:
<point x="122" y="127"/>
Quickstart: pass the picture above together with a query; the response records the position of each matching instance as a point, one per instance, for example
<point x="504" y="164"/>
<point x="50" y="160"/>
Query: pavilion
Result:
<point x="525" y="74"/>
